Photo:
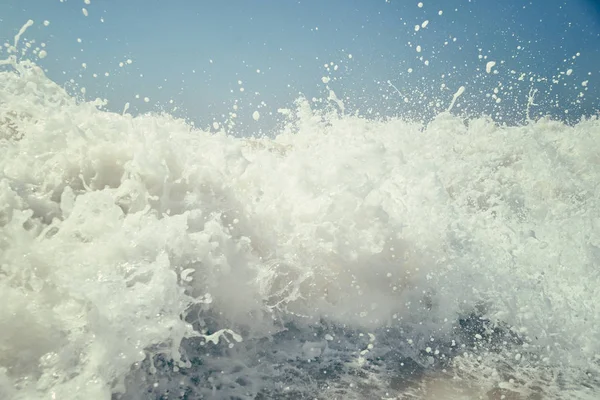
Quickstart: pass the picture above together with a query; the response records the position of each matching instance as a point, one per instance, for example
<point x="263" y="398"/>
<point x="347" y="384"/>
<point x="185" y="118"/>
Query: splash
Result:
<point x="345" y="258"/>
<point x="21" y="32"/>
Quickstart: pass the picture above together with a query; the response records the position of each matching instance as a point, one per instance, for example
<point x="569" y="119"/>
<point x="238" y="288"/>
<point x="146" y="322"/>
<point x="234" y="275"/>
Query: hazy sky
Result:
<point x="196" y="52"/>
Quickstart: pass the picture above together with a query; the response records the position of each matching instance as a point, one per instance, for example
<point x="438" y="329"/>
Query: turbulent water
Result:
<point x="344" y="258"/>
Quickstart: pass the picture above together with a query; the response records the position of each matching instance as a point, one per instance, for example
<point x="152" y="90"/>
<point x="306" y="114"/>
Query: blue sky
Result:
<point x="196" y="52"/>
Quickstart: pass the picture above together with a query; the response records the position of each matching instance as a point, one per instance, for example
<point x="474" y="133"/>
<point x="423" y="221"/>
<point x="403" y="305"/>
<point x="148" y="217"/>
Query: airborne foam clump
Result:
<point x="124" y="238"/>
<point x="28" y="24"/>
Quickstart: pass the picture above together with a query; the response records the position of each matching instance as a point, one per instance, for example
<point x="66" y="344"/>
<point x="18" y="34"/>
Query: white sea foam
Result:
<point x="127" y="241"/>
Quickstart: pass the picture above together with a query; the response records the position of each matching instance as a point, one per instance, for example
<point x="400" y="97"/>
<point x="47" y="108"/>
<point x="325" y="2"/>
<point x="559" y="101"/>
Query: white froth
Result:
<point x="42" y="54"/>
<point x="256" y="115"/>
<point x="119" y="232"/>
<point x="489" y="66"/>
<point x="84" y="11"/>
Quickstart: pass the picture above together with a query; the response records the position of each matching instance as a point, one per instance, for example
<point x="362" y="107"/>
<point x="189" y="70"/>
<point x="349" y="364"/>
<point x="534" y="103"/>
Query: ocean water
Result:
<point x="343" y="257"/>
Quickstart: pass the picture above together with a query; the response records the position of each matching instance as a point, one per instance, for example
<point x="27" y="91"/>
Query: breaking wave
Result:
<point x="345" y="257"/>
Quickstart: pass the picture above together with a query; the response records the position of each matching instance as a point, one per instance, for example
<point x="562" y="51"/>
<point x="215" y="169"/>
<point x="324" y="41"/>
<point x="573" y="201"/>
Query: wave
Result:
<point x="345" y="257"/>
